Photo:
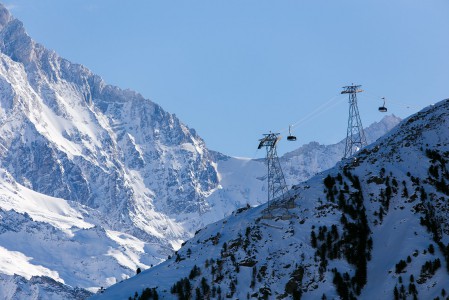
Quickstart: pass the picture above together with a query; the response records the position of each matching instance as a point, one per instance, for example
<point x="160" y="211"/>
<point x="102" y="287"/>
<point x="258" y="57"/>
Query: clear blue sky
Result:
<point x="234" y="70"/>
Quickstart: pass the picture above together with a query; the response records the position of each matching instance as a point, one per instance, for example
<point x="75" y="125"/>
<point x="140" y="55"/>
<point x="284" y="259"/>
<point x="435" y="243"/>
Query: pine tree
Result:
<point x="396" y="293"/>
<point x="198" y="294"/>
<point x="313" y="239"/>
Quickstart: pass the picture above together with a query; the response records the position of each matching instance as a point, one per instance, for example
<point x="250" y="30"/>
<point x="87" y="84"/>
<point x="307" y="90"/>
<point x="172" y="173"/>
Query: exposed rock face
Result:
<point x="67" y="134"/>
<point x="90" y="165"/>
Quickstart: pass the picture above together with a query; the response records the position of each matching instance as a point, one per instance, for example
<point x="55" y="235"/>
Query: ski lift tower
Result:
<point x="276" y="181"/>
<point x="355" y="136"/>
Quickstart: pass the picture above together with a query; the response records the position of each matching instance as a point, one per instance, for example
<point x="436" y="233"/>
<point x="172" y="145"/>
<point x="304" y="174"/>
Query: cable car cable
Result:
<point x="396" y="103"/>
<point x="317" y="111"/>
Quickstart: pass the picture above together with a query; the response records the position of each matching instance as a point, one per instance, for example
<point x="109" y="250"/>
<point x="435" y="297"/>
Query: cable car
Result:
<point x="383" y="108"/>
<point x="290" y="137"/>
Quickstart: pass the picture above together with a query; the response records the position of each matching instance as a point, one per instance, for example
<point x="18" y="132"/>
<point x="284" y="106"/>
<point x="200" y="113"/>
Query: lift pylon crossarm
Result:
<point x="351" y="89"/>
<point x="270" y="140"/>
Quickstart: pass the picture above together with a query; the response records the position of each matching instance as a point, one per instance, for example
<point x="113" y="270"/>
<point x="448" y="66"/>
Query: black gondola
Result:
<point x="383" y="108"/>
<point x="290" y="137"/>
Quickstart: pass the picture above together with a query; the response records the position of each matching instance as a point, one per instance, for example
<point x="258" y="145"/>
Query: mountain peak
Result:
<point x="5" y="16"/>
<point x="14" y="41"/>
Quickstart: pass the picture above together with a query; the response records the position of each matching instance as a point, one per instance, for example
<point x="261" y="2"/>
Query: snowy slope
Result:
<point x="376" y="226"/>
<point x="45" y="236"/>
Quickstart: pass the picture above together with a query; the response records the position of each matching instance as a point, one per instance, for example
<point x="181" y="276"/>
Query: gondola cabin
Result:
<point x="290" y="137"/>
<point x="383" y="108"/>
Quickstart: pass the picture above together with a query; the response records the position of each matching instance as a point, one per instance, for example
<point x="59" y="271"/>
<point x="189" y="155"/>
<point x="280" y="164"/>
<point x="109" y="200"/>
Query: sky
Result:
<point x="234" y="70"/>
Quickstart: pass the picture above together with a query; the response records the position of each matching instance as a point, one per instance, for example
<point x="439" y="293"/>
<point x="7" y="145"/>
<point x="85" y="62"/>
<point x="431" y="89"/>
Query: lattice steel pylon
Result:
<point x="276" y="181"/>
<point x="355" y="136"/>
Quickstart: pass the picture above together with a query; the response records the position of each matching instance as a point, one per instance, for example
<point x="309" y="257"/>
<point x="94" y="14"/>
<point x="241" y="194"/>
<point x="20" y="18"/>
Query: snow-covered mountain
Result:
<point x="67" y="134"/>
<point x="96" y="181"/>
<point x="37" y="287"/>
<point x="375" y="226"/>
<point x="96" y="176"/>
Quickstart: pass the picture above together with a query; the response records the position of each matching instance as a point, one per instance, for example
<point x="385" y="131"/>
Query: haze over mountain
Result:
<point x="96" y="181"/>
